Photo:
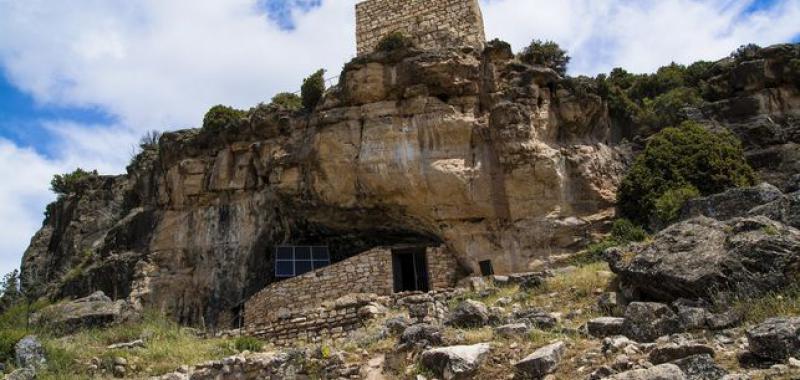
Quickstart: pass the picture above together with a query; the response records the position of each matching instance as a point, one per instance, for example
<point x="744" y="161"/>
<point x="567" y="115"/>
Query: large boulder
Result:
<point x="647" y="321"/>
<point x="703" y="257"/>
<point x="659" y="372"/>
<point x="420" y="335"/>
<point x="674" y="351"/>
<point x="469" y="313"/>
<point x="541" y="362"/>
<point x="455" y="362"/>
<point x="731" y="203"/>
<point x="605" y="326"/>
<point x="29" y="352"/>
<point x="92" y="311"/>
<point x="775" y="339"/>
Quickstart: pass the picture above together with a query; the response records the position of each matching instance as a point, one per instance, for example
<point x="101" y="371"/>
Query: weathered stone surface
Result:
<point x="659" y="372"/>
<point x="455" y="362"/>
<point x="702" y="257"/>
<point x="29" y="352"/>
<point x="469" y="313"/>
<point x="732" y="203"/>
<point x="775" y="339"/>
<point x="511" y="330"/>
<point x="421" y="335"/>
<point x="541" y="362"/>
<point x="647" y="321"/>
<point x="673" y="351"/>
<point x="92" y="311"/>
<point x="700" y="367"/>
<point x="536" y="318"/>
<point x="397" y="325"/>
<point x="605" y="326"/>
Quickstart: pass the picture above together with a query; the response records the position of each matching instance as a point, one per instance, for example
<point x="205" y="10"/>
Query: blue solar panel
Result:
<point x="291" y="261"/>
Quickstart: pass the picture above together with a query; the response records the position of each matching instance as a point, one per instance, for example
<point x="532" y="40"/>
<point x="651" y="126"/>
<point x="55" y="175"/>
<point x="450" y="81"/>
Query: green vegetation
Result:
<point x="313" y="89"/>
<point x="220" y="117"/>
<point x="745" y="52"/>
<point x="288" y="101"/>
<point x="150" y="140"/>
<point x="675" y="159"/>
<point x="394" y="41"/>
<point x="668" y="205"/>
<point x="547" y="54"/>
<point x="623" y="231"/>
<point x="248" y="343"/>
<point x="63" y="184"/>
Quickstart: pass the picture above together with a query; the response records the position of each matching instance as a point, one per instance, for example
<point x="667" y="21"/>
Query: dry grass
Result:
<point x="780" y="304"/>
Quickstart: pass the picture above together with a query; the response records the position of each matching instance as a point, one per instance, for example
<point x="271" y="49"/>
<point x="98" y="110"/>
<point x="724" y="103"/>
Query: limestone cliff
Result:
<point x="496" y="159"/>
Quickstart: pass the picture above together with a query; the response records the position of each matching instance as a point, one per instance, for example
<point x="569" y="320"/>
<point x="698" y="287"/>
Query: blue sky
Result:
<point x="81" y="80"/>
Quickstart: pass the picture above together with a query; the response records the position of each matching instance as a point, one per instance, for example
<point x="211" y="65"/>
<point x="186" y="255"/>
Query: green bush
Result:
<point x="746" y="52"/>
<point x="678" y="157"/>
<point x="394" y="41"/>
<point x="8" y="339"/>
<point x="665" y="109"/>
<point x="312" y="90"/>
<point x="63" y="184"/>
<point x="669" y="204"/>
<point x="219" y="117"/>
<point x="288" y="100"/>
<point x="623" y="230"/>
<point x="248" y="343"/>
<point x="547" y="54"/>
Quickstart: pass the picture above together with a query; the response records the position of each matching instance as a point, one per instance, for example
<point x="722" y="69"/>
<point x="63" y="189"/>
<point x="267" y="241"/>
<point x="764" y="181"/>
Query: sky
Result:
<point x="82" y="80"/>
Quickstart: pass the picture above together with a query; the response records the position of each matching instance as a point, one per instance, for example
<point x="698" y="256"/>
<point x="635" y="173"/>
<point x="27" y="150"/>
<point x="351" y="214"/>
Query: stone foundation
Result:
<point x="331" y="302"/>
<point x="431" y="24"/>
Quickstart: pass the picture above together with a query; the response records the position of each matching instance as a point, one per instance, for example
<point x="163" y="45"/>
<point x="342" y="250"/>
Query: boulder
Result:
<point x="397" y="325"/>
<point x="511" y="330"/>
<point x="93" y="311"/>
<point x="775" y="339"/>
<point x="659" y="372"/>
<point x="674" y="351"/>
<point x="469" y="313"/>
<point x="536" y="318"/>
<point x="420" y="335"/>
<point x="692" y="313"/>
<point x="29" y="352"/>
<point x="703" y="257"/>
<point x="455" y="362"/>
<point x="605" y="326"/>
<point x="700" y="367"/>
<point x="646" y="321"/>
<point x="732" y="203"/>
<point x="611" y="303"/>
<point x="541" y="362"/>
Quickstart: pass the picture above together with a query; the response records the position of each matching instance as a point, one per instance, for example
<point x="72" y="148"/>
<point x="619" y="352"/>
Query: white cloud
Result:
<point x="155" y="64"/>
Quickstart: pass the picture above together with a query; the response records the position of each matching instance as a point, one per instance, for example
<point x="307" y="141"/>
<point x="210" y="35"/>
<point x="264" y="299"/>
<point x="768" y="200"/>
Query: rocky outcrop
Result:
<point x="707" y="258"/>
<point x="495" y="159"/>
<point x="96" y="310"/>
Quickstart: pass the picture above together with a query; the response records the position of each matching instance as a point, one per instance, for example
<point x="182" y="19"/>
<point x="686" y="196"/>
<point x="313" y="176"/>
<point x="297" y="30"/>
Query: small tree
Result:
<point x="10" y="293"/>
<point x="288" y="100"/>
<point x="746" y="52"/>
<point x="220" y="117"/>
<point x="150" y="140"/>
<point x="63" y="184"/>
<point x="547" y="54"/>
<point x="313" y="89"/>
<point x="675" y="158"/>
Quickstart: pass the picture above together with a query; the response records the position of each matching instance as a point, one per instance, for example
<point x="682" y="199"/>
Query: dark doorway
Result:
<point x="486" y="268"/>
<point x="410" y="269"/>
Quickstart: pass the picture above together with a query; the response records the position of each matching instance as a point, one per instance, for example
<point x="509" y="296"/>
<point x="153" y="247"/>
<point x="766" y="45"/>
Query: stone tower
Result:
<point x="430" y="23"/>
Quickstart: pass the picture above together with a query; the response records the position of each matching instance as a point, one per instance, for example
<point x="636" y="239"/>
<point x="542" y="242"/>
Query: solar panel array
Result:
<point x="294" y="260"/>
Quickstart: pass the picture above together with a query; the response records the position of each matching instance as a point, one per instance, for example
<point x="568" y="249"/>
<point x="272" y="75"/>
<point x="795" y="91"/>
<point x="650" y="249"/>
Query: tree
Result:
<point x="63" y="184"/>
<point x="313" y="89"/>
<point x="10" y="293"/>
<point x="288" y="100"/>
<point x="220" y="117"/>
<point x="675" y="159"/>
<point x="547" y="54"/>
<point x="150" y="140"/>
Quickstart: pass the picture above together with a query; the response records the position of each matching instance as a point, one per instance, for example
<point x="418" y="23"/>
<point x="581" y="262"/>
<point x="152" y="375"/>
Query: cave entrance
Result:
<point x="410" y="269"/>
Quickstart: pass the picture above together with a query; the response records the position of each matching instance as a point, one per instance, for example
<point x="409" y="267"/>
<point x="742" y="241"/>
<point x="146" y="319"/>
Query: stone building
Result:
<point x="430" y="23"/>
<point x="325" y="302"/>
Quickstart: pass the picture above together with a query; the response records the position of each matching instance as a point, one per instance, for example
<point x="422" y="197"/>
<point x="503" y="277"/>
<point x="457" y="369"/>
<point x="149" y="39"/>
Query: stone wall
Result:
<point x="430" y="23"/>
<point x="332" y="301"/>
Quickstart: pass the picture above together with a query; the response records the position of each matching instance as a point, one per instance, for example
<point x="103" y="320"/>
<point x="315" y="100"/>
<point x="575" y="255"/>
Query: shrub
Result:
<point x="678" y="157"/>
<point x="669" y="204"/>
<point x="547" y="54"/>
<point x="150" y="140"/>
<point x="312" y="90"/>
<point x="220" y="117"/>
<point x="746" y="52"/>
<point x="623" y="230"/>
<point x="666" y="109"/>
<point x="248" y="343"/>
<point x="394" y="41"/>
<point x="288" y="100"/>
<point x="8" y="339"/>
<point x="63" y="184"/>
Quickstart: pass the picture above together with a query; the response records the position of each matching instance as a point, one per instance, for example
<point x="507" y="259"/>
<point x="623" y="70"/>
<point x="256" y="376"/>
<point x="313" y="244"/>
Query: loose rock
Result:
<point x="455" y="362"/>
<point x="646" y="321"/>
<point x="541" y="362"/>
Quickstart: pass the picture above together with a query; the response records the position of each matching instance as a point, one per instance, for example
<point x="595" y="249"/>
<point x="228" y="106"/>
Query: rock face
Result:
<point x="96" y="310"/>
<point x="498" y="160"/>
<point x="647" y="321"/>
<point x="775" y="339"/>
<point x="703" y="258"/>
<point x="455" y="362"/>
